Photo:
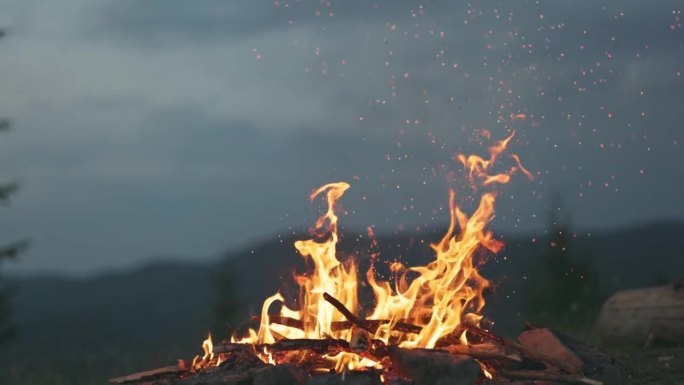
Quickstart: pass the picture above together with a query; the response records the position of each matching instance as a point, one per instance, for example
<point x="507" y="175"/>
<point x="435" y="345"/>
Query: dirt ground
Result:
<point x="652" y="366"/>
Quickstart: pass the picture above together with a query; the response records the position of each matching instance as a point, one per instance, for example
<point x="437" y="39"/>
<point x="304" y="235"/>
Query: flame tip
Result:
<point x="435" y="298"/>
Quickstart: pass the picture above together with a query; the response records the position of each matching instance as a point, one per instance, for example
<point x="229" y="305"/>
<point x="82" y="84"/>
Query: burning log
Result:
<point x="329" y="346"/>
<point x="644" y="316"/>
<point x="348" y="314"/>
<point x="484" y="352"/>
<point x="376" y="324"/>
<point x="434" y="367"/>
<point x="351" y="378"/>
<point x="332" y="346"/>
<point x="321" y="346"/>
<point x="445" y="365"/>
<point x="355" y="349"/>
<point x="400" y="326"/>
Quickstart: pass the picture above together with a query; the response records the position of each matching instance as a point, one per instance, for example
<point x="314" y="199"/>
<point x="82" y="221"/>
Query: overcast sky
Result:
<point x="183" y="129"/>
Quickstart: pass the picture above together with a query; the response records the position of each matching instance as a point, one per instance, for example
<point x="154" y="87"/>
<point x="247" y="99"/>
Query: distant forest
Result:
<point x="85" y="331"/>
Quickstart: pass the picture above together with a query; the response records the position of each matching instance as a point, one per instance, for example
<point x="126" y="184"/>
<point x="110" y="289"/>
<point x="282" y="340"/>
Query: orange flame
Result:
<point x="207" y="359"/>
<point x="478" y="167"/>
<point x="208" y="347"/>
<point x="515" y="117"/>
<point x="438" y="298"/>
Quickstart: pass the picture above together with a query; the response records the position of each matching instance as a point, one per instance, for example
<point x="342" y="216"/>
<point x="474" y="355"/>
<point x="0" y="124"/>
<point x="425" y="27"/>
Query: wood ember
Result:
<point x="433" y="367"/>
<point x="401" y="326"/>
<point x="563" y="359"/>
<point x="286" y="374"/>
<point x="361" y="323"/>
<point x="241" y="360"/>
<point x="360" y="341"/>
<point x="346" y="378"/>
<point x="374" y="351"/>
<point x="320" y="346"/>
<point x="236" y="369"/>
<point x="485" y="351"/>
<point x="368" y="325"/>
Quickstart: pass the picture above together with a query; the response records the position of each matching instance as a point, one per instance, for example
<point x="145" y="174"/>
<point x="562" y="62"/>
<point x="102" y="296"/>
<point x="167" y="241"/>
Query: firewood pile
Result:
<point x="539" y="356"/>
<point x="422" y="326"/>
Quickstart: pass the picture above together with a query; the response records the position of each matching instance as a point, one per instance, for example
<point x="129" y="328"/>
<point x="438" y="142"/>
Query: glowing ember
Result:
<point x="436" y="298"/>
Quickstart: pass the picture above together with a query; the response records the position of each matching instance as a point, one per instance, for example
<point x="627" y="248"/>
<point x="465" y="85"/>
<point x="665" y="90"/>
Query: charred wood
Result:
<point x="531" y="354"/>
<point x="149" y="375"/>
<point x="347" y="378"/>
<point x="434" y="367"/>
<point x="348" y="314"/>
<point x="400" y="326"/>
<point x="484" y="352"/>
<point x="286" y="374"/>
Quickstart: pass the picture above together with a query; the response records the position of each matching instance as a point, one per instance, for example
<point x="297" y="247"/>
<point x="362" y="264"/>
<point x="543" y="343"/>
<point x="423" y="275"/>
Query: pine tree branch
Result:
<point x="7" y="189"/>
<point x="13" y="249"/>
<point x="7" y="327"/>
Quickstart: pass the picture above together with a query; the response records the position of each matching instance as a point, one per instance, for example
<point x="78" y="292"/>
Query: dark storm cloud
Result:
<point x="186" y="128"/>
<point x="155" y="21"/>
<point x="189" y="172"/>
<point x="619" y="29"/>
<point x="158" y="21"/>
<point x="147" y="22"/>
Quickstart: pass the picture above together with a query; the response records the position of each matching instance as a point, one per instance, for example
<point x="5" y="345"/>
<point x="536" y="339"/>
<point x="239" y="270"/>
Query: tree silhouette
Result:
<point x="562" y="289"/>
<point x="227" y="305"/>
<point x="7" y="251"/>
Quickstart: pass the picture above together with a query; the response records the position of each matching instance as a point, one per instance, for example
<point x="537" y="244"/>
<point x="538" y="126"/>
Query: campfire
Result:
<point x="424" y="325"/>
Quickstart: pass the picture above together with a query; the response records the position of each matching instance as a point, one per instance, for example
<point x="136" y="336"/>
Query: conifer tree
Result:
<point x="8" y="251"/>
<point x="562" y="289"/>
<point x="226" y="305"/>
